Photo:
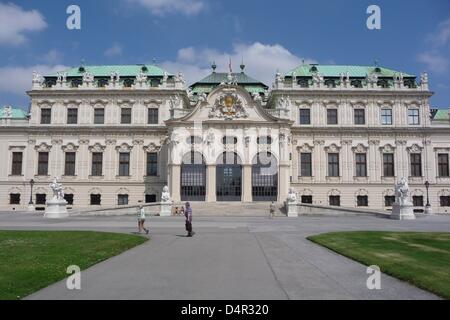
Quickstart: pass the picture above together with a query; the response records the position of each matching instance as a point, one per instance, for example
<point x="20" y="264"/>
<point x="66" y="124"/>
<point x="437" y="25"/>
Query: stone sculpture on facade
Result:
<point x="292" y="203"/>
<point x="402" y="209"/>
<point x="166" y="203"/>
<point x="7" y="112"/>
<point x="57" y="206"/>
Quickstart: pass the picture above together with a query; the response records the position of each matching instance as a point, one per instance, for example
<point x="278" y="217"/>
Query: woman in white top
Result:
<point x="141" y="220"/>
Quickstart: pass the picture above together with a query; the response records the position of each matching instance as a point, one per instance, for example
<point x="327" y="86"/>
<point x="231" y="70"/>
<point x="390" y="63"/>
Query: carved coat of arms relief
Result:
<point x="228" y="106"/>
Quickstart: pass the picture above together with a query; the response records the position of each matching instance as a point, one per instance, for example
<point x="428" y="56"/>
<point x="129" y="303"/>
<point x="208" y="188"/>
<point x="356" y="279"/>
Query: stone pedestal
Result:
<point x="402" y="211"/>
<point x="56" y="208"/>
<point x="166" y="209"/>
<point x="428" y="210"/>
<point x="292" y="209"/>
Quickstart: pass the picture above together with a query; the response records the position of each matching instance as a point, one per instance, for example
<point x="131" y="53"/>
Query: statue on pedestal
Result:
<point x="166" y="203"/>
<point x="57" y="206"/>
<point x="402" y="209"/>
<point x="291" y="203"/>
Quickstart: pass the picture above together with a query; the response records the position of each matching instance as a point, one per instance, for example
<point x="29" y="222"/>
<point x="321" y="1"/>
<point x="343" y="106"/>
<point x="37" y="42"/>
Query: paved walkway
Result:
<point x="229" y="258"/>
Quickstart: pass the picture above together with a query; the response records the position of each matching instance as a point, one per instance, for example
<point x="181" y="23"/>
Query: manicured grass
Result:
<point x="32" y="260"/>
<point x="421" y="258"/>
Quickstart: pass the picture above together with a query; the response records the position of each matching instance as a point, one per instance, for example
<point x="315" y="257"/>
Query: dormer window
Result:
<point x="81" y="69"/>
<point x="144" y="69"/>
<point x="313" y="69"/>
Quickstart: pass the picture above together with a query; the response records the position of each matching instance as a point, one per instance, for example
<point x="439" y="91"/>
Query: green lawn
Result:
<point x="421" y="258"/>
<point x="31" y="260"/>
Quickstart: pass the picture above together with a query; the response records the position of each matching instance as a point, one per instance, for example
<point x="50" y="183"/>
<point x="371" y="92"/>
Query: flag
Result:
<point x="229" y="66"/>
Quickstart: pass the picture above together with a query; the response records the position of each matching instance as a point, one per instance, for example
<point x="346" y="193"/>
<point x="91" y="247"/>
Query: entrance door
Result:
<point x="264" y="177"/>
<point x="193" y="177"/>
<point x="228" y="182"/>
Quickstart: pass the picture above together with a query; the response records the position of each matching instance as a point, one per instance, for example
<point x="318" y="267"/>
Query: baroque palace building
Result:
<point x="116" y="135"/>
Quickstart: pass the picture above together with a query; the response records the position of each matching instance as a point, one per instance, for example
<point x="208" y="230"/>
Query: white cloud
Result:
<point x="434" y="61"/>
<point x="161" y="7"/>
<point x="14" y="22"/>
<point x="115" y="50"/>
<point x="17" y="80"/>
<point x="442" y="36"/>
<point x="52" y="57"/>
<point x="261" y="61"/>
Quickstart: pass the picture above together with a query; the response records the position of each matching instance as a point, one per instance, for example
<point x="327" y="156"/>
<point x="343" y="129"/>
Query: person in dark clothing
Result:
<point x="188" y="215"/>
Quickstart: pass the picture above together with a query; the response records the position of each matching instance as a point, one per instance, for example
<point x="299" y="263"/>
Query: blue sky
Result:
<point x="187" y="35"/>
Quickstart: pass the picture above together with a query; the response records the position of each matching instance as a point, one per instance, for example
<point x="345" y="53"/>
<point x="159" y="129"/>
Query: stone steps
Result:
<point x="233" y="208"/>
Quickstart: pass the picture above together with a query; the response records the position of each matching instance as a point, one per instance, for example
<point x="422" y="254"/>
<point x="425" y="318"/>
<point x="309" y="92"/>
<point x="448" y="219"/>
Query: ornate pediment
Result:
<point x="228" y="106"/>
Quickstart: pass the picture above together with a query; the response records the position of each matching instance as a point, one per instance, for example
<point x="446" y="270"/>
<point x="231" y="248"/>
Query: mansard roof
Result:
<point x="16" y="113"/>
<point x="307" y="70"/>
<point x="123" y="70"/>
<point x="440" y="114"/>
<point x="207" y="84"/>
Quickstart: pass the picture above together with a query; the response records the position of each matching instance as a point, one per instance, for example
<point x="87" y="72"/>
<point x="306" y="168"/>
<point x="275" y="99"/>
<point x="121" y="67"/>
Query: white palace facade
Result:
<point x="116" y="135"/>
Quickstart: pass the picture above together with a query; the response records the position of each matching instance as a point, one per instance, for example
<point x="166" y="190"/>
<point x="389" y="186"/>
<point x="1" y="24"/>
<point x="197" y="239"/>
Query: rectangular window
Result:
<point x="152" y="163"/>
<point x="360" y="116"/>
<point x="335" y="200"/>
<point x="72" y="116"/>
<point x="69" y="165"/>
<point x="362" y="201"/>
<point x="46" y="115"/>
<point x="16" y="169"/>
<point x="43" y="163"/>
<point x="332" y="116"/>
<point x="389" y="201"/>
<point x="150" y="198"/>
<point x="125" y="116"/>
<point x="152" y="116"/>
<point x="305" y="116"/>
<point x="96" y="199"/>
<point x="124" y="164"/>
<point x="99" y="115"/>
<point x="97" y="163"/>
<point x="443" y="164"/>
<point x="416" y="164"/>
<point x="69" y="198"/>
<point x="14" y="198"/>
<point x="307" y="199"/>
<point x="305" y="164"/>
<point x="122" y="199"/>
<point x="333" y="164"/>
<point x="413" y="116"/>
<point x="386" y="116"/>
<point x="445" y="201"/>
<point x="361" y="164"/>
<point x="41" y="198"/>
<point x="417" y="201"/>
<point x="388" y="164"/>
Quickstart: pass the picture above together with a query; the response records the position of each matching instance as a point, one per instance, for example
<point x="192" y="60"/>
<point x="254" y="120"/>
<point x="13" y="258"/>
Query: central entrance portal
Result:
<point x="264" y="177"/>
<point x="193" y="177"/>
<point x="228" y="177"/>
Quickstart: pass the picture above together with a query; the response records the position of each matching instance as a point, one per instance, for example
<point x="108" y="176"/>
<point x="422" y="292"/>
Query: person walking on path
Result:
<point x="188" y="215"/>
<point x="141" y="220"/>
<point x="272" y="210"/>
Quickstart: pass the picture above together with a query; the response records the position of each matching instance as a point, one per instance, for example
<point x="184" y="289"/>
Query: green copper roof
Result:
<point x="16" y="113"/>
<point x="207" y="84"/>
<point x="441" y="114"/>
<point x="123" y="70"/>
<point x="335" y="71"/>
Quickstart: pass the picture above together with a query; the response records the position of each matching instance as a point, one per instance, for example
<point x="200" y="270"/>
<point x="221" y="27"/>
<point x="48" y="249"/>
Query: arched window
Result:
<point x="264" y="140"/>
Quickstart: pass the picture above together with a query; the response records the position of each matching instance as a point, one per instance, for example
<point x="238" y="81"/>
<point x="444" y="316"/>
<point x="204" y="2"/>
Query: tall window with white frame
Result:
<point x="361" y="164"/>
<point x="72" y="115"/>
<point x="97" y="164"/>
<point x="413" y="117"/>
<point x="16" y="168"/>
<point x="99" y="115"/>
<point x="333" y="164"/>
<point x="305" y="164"/>
<point x="388" y="165"/>
<point x="443" y="169"/>
<point x="125" y="115"/>
<point x="152" y="116"/>
<point x="305" y="116"/>
<point x="124" y="164"/>
<point x="416" y="164"/>
<point x="69" y="165"/>
<point x="46" y="115"/>
<point x="359" y="116"/>
<point x="386" y="116"/>
<point x="42" y="164"/>
<point x="332" y="116"/>
<point x="152" y="163"/>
